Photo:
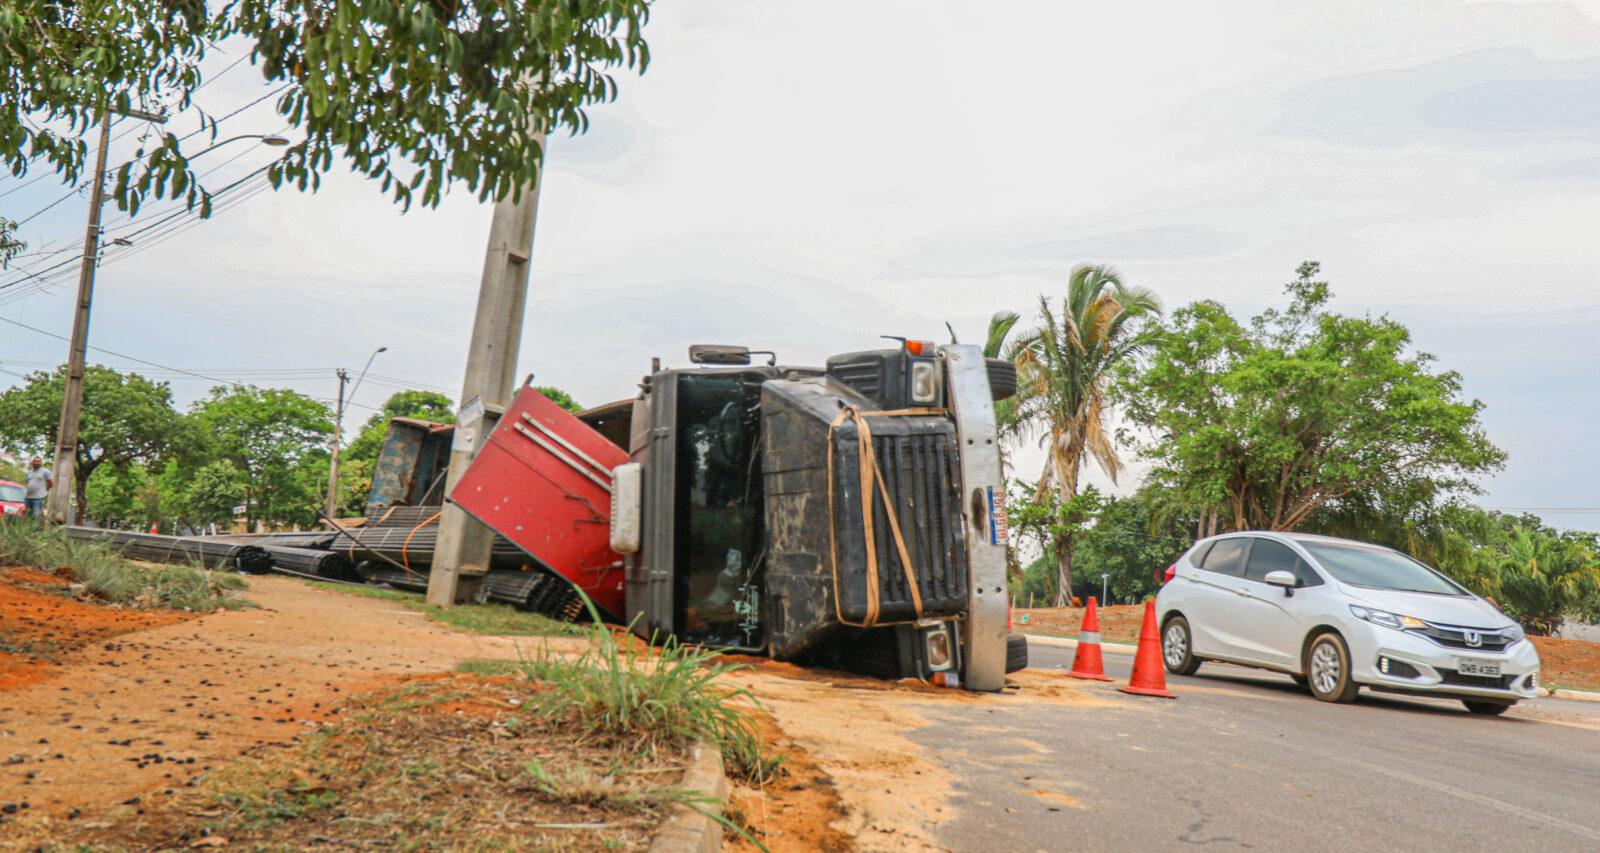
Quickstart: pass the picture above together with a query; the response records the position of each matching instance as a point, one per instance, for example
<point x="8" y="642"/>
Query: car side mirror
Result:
<point x="1287" y="580"/>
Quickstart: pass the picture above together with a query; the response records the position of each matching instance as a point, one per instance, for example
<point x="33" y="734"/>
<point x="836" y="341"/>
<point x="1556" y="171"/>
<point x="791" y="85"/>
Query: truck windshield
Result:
<point x="11" y="492"/>
<point x="1378" y="568"/>
<point x="720" y="510"/>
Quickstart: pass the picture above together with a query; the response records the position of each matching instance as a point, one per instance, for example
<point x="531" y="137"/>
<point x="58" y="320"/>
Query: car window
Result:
<point x="1379" y="568"/>
<point x="8" y="492"/>
<point x="1226" y="557"/>
<point x="1267" y="555"/>
<point x="1199" y="556"/>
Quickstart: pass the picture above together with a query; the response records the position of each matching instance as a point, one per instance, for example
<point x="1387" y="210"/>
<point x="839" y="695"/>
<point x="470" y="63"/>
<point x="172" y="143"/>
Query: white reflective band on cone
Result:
<point x="1089" y="637"/>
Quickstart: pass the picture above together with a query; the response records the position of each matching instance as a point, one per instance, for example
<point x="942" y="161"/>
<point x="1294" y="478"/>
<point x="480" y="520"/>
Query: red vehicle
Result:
<point x="11" y="495"/>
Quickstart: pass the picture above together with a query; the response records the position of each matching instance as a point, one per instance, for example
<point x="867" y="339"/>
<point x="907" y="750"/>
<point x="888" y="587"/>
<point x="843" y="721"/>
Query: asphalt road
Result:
<point x="1243" y="759"/>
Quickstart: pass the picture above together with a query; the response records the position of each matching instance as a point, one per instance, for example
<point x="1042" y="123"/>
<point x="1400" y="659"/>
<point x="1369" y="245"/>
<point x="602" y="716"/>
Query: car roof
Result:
<point x="1295" y="537"/>
<point x="10" y="483"/>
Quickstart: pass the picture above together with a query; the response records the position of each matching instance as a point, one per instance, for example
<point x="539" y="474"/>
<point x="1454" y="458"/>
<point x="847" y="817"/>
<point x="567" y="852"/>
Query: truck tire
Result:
<point x="1016" y="652"/>
<point x="1002" y="378"/>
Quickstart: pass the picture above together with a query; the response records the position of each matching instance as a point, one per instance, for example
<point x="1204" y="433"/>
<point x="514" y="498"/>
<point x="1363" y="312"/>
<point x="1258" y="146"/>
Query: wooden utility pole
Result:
<point x="58" y="505"/>
<point x="461" y="557"/>
<point x="333" y="464"/>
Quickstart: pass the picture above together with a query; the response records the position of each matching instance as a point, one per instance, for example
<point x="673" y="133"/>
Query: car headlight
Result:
<point x="1387" y="619"/>
<point x="1513" y="634"/>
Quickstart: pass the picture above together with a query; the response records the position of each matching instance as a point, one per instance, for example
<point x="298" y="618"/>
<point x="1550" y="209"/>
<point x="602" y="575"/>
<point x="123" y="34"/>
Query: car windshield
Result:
<point x="10" y="492"/>
<point x="1379" y="568"/>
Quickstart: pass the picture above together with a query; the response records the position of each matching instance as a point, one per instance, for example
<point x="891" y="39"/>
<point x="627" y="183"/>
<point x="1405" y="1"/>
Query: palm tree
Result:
<point x="1062" y="370"/>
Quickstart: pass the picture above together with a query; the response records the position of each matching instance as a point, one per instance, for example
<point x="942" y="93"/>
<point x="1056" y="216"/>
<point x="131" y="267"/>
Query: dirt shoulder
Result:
<point x="147" y="711"/>
<point x="1118" y="624"/>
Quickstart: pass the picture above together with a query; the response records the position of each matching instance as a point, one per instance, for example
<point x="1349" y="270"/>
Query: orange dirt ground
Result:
<point x="1118" y="624"/>
<point x="1569" y="663"/>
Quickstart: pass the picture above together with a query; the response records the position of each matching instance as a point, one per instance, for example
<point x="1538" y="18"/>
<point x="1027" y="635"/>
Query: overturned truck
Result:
<point x="850" y="515"/>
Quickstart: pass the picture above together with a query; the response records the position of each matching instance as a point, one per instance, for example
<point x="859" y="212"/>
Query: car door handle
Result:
<point x="1243" y="592"/>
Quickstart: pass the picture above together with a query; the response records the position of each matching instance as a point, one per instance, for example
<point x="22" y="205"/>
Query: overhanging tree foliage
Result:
<point x="415" y="95"/>
<point x="1259" y="425"/>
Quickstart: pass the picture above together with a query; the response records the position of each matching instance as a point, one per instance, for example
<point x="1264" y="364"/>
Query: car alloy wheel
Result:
<point x="1328" y="669"/>
<point x="1175" y="650"/>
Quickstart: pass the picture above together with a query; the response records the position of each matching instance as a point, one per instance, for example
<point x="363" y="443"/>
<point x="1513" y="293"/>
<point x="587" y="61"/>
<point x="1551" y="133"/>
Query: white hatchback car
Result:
<point x="1338" y="616"/>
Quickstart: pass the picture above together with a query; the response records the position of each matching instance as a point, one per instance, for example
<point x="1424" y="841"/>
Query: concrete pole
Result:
<point x="58" y="505"/>
<point x="333" y="463"/>
<point x="461" y="557"/>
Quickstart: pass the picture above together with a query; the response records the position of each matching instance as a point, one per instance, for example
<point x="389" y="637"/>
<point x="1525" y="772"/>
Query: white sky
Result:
<point x="809" y="176"/>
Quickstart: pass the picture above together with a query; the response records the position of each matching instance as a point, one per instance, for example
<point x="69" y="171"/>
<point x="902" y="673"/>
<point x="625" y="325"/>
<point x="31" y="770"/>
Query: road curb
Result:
<point x="689" y="830"/>
<point x="1064" y="643"/>
<point x="1574" y="695"/>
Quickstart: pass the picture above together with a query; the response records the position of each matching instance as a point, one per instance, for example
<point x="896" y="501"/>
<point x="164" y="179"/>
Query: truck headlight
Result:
<point x="924" y="382"/>
<point x="938" y="649"/>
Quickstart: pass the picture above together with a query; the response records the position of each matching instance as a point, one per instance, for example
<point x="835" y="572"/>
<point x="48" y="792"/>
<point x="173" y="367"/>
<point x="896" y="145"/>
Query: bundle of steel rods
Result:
<point x="321" y="539"/>
<point x="333" y="565"/>
<point x="413" y="547"/>
<point x="155" y="548"/>
<point x="401" y="516"/>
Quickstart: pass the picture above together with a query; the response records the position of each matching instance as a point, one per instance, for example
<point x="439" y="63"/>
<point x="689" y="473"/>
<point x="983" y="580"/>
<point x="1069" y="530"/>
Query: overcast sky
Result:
<point x="807" y="176"/>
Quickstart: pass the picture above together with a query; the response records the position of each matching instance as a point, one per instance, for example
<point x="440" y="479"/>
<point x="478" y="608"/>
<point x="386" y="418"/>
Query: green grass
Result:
<point x="109" y="575"/>
<point x="488" y="618"/>
<point x="647" y="701"/>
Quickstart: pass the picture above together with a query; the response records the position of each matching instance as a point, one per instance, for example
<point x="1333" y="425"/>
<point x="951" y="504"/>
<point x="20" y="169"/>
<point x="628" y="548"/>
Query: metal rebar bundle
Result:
<point x="155" y="548"/>
<point x="333" y="565"/>
<point x="412" y="547"/>
<point x="320" y="539"/>
<point x="401" y="516"/>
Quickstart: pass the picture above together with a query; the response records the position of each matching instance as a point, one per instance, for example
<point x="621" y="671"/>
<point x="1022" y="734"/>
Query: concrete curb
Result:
<point x="1064" y="643"/>
<point x="1574" y="695"/>
<point x="688" y="830"/>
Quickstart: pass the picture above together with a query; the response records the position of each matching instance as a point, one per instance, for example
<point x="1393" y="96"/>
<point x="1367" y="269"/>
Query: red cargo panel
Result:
<point x="543" y="481"/>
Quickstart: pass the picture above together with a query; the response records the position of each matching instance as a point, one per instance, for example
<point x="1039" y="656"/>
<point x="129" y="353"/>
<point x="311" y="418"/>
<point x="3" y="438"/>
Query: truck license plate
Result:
<point x="1468" y="666"/>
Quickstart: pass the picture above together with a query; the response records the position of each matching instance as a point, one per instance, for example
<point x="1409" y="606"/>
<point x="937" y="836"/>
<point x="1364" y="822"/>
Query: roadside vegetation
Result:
<point x="1296" y="419"/>
<point x="111" y="577"/>
<point x="487" y="618"/>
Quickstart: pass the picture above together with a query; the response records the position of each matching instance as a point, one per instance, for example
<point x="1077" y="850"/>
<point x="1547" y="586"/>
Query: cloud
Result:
<point x="1050" y="252"/>
<point x="1478" y="97"/>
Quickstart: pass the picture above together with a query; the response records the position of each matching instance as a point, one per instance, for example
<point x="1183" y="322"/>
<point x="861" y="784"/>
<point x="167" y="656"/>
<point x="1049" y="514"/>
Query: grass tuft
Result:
<point x="661" y="701"/>
<point x="110" y="576"/>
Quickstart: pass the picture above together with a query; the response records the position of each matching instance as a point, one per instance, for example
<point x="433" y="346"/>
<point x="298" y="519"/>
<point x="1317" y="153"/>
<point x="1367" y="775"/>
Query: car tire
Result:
<point x="1487" y="709"/>
<point x="1177" y="652"/>
<point x="1016" y="652"/>
<point x="1327" y="668"/>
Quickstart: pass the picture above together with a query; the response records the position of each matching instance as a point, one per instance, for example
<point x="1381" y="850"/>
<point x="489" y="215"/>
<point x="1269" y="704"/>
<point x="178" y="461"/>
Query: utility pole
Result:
<point x="333" y="464"/>
<point x="58" y="506"/>
<point x="461" y="557"/>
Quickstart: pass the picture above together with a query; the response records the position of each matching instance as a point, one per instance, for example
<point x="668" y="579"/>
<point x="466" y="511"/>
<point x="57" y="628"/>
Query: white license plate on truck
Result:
<point x="1468" y="666"/>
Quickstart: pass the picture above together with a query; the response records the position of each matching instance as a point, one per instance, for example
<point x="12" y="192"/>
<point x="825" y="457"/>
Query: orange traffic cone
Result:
<point x="153" y="527"/>
<point x="1087" y="662"/>
<point x="1149" y="678"/>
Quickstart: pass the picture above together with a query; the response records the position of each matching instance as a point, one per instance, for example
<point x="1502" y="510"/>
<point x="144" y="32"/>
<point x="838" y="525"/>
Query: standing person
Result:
<point x="39" y="482"/>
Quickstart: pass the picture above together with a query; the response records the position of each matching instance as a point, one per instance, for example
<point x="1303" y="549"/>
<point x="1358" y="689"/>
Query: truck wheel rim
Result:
<point x="1176" y="645"/>
<point x="1325" y="668"/>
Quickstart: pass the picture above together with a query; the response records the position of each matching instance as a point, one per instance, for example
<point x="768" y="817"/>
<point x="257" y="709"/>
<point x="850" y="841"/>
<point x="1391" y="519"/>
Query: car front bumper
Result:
<point x="1437" y="666"/>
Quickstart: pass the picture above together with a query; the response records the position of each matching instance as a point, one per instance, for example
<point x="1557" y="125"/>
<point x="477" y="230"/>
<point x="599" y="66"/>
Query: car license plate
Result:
<point x="1468" y="666"/>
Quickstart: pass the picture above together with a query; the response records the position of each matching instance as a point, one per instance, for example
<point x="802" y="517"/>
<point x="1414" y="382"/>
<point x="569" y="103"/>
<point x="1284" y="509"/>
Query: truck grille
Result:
<point x="921" y="474"/>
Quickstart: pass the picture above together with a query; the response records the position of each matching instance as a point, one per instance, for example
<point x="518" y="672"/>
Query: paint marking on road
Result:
<point x="1471" y="796"/>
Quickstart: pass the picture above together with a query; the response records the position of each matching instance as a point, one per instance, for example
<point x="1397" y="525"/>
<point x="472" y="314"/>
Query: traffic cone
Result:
<point x="1149" y="677"/>
<point x="1087" y="662"/>
<point x="153" y="527"/>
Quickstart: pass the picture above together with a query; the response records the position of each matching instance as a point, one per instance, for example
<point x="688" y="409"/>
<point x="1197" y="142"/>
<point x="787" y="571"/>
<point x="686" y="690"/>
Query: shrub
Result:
<point x="109" y="575"/>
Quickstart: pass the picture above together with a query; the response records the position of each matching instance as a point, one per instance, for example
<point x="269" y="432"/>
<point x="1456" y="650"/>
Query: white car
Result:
<point x="1338" y="616"/>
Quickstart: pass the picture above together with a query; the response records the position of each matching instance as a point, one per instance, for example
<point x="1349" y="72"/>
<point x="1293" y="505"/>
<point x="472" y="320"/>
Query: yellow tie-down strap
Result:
<point x="872" y="480"/>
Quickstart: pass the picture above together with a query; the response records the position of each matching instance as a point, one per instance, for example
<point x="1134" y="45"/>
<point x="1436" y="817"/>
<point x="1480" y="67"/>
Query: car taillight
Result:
<point x="1172" y="570"/>
<point x="1009" y="626"/>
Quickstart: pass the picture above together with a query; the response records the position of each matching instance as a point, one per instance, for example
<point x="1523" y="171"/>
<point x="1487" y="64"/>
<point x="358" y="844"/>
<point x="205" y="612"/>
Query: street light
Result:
<point x="338" y="429"/>
<point x="271" y="140"/>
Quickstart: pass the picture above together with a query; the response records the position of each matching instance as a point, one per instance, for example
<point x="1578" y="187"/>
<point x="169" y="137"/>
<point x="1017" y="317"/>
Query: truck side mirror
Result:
<point x="719" y="354"/>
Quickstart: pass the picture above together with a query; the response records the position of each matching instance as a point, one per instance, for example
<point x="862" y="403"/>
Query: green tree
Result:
<point x="1258" y="426"/>
<point x="559" y="397"/>
<point x="417" y="95"/>
<point x="277" y="440"/>
<point x="211" y="492"/>
<point x="126" y="419"/>
<point x="1063" y="368"/>
<point x="1040" y="518"/>
<point x="1131" y="543"/>
<point x="1544" y="578"/>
